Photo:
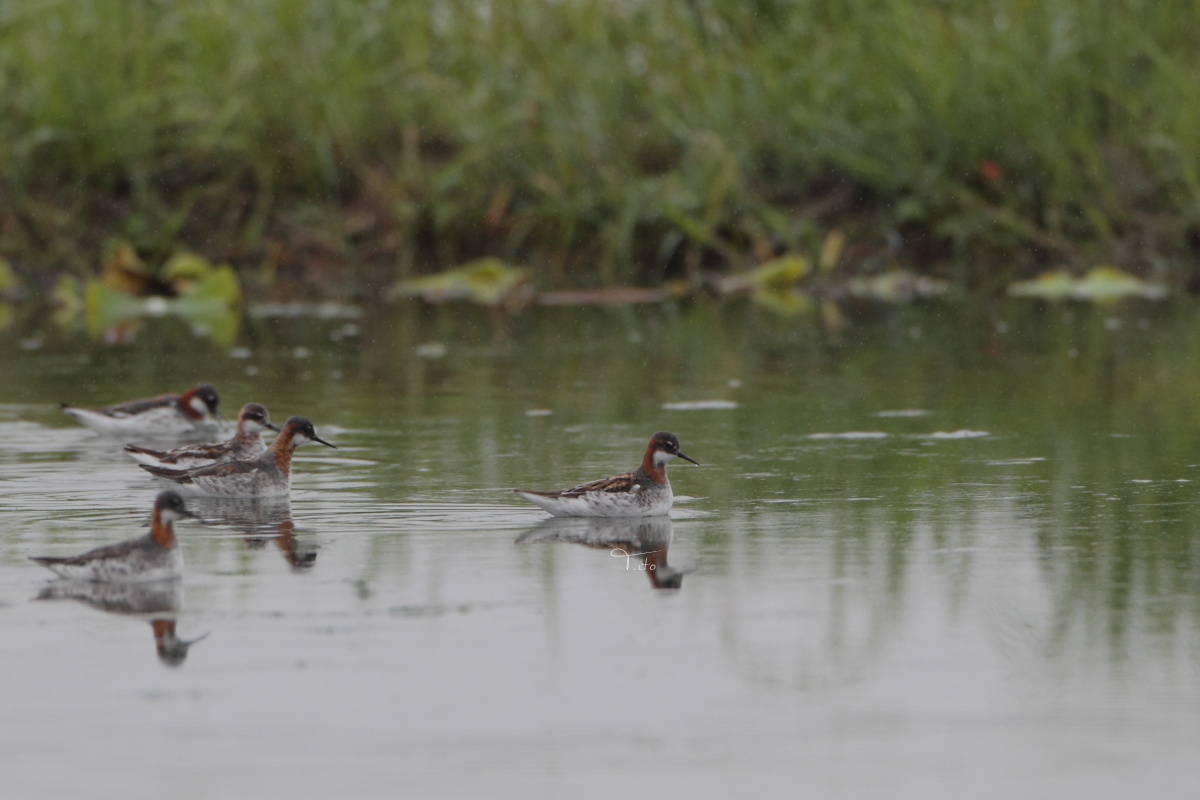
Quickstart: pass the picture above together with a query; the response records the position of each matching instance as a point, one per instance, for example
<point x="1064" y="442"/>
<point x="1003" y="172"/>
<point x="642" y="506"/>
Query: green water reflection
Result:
<point x="1020" y="473"/>
<point x="1090" y="415"/>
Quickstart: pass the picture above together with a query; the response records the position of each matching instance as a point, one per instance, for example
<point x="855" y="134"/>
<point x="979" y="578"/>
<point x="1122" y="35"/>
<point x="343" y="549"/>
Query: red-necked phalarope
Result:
<point x="167" y="415"/>
<point x="266" y="475"/>
<point x="644" y="493"/>
<point x="253" y="419"/>
<point x="153" y="557"/>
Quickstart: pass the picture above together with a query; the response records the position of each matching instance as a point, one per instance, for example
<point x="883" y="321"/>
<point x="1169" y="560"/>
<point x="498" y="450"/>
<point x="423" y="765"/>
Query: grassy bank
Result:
<point x="602" y="141"/>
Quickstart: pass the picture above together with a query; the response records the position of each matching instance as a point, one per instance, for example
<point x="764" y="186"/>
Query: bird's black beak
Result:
<point x="685" y="458"/>
<point x="316" y="438"/>
<point x="216" y="413"/>
<point x="272" y="427"/>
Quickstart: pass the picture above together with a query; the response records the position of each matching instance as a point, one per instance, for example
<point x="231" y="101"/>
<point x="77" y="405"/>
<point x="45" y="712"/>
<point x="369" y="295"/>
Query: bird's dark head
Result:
<point x="169" y="506"/>
<point x="665" y="446"/>
<point x="254" y="416"/>
<point x="300" y="431"/>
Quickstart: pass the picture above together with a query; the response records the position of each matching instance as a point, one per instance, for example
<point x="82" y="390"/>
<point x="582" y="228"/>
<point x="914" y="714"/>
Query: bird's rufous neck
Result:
<point x="656" y="472"/>
<point x="184" y="403"/>
<point x="282" y="449"/>
<point x="161" y="531"/>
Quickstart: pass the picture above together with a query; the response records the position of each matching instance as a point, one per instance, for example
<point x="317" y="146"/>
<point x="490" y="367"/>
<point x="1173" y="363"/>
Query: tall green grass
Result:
<point x="612" y="140"/>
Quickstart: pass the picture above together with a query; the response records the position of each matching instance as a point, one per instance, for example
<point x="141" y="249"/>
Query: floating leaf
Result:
<point x="186" y="266"/>
<point x="788" y="301"/>
<point x="773" y="284"/>
<point x="125" y="272"/>
<point x="210" y="305"/>
<point x="68" y="300"/>
<point x="486" y="281"/>
<point x="1055" y="285"/>
<point x="1110" y="283"/>
<point x="105" y="307"/>
<point x="219" y="323"/>
<point x="831" y="250"/>
<point x="782" y="272"/>
<point x="895" y="286"/>
<point x="1100" y="284"/>
<point x="219" y="285"/>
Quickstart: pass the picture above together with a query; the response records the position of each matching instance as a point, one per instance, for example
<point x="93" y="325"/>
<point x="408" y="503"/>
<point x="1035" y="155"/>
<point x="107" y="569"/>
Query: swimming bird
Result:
<point x="646" y="492"/>
<point x="184" y="414"/>
<point x="153" y="557"/>
<point x="266" y="475"/>
<point x="253" y="419"/>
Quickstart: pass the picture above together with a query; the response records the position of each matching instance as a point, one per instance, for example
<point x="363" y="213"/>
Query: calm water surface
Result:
<point x="947" y="553"/>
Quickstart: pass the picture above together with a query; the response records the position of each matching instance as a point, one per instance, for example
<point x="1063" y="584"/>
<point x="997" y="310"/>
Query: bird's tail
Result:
<point x="177" y="475"/>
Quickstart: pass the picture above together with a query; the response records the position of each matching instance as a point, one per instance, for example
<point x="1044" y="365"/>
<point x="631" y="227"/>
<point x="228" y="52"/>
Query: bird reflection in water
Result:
<point x="261" y="521"/>
<point x="640" y="544"/>
<point x="158" y="602"/>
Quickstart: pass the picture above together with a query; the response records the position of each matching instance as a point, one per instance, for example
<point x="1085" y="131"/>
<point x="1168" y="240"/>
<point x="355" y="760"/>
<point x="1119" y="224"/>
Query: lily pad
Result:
<point x="106" y="307"/>
<point x="124" y="271"/>
<point x="68" y="301"/>
<point x="831" y="250"/>
<point x="218" y="323"/>
<point x="782" y="272"/>
<point x="1099" y="284"/>
<point x="211" y="305"/>
<point x="208" y="303"/>
<point x="1110" y="283"/>
<point x="486" y="281"/>
<point x="1055" y="285"/>
<point x="786" y="300"/>
<point x="217" y="285"/>
<point x="186" y="266"/>
<point x="895" y="286"/>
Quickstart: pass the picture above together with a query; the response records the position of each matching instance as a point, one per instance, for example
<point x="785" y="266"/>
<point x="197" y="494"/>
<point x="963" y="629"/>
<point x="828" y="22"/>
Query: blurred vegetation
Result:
<point x="333" y="147"/>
